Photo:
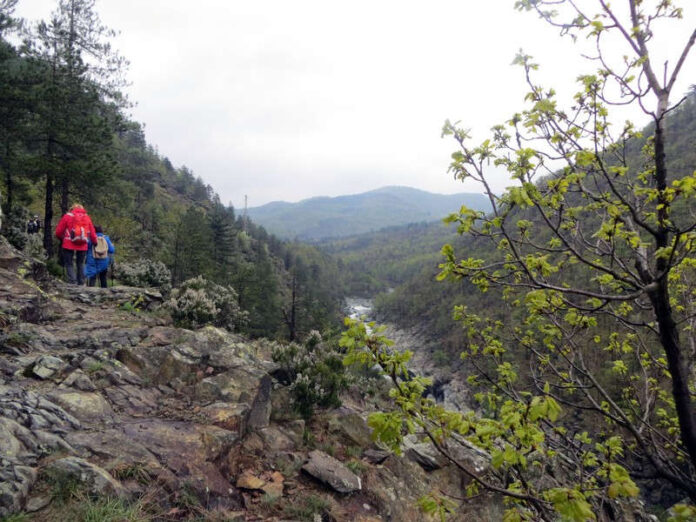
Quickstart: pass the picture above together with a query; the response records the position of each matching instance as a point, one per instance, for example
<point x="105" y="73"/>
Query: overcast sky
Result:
<point x="284" y="100"/>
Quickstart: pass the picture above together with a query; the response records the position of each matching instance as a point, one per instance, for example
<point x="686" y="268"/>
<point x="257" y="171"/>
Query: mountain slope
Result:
<point x="108" y="414"/>
<point x="326" y="217"/>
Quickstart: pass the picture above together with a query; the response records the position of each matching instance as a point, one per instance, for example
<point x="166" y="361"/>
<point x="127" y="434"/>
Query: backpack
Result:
<point x="101" y="249"/>
<point x="79" y="230"/>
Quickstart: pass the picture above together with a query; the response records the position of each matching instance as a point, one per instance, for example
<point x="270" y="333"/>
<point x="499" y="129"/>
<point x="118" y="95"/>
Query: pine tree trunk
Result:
<point x="64" y="195"/>
<point x="9" y="182"/>
<point x="48" y="216"/>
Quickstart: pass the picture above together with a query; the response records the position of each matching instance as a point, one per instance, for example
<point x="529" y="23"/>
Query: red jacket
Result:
<point x="66" y="224"/>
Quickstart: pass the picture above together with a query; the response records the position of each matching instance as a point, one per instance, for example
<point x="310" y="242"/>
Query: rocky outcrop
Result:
<point x="98" y="386"/>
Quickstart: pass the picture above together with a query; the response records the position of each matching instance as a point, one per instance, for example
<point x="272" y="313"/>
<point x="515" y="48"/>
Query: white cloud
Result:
<point x="288" y="100"/>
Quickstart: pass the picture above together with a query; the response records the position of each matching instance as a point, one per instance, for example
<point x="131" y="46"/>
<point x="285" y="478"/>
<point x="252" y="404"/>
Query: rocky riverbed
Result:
<point x="449" y="385"/>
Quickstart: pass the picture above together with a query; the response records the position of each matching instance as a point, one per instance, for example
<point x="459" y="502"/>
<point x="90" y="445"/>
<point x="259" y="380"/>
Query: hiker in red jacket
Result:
<point x="75" y="229"/>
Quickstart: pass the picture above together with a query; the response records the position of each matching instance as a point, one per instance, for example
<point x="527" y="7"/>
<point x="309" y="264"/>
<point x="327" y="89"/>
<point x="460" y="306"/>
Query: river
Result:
<point x="449" y="387"/>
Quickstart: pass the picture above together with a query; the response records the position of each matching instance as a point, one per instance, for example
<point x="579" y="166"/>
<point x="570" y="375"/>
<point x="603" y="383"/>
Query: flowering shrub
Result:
<point x="198" y="302"/>
<point x="34" y="246"/>
<point x="144" y="273"/>
<point x="314" y="372"/>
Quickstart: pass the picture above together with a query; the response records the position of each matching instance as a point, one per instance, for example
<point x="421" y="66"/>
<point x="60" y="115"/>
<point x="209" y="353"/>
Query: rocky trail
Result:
<point x="99" y="391"/>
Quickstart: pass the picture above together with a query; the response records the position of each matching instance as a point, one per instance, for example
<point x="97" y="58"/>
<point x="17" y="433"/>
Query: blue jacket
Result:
<point x="97" y="266"/>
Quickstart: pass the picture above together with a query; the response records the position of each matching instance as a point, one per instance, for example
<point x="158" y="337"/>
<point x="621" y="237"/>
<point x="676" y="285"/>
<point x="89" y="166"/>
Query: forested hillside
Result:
<point x="65" y="137"/>
<point x="419" y="298"/>
<point x="324" y="217"/>
<point x="379" y="261"/>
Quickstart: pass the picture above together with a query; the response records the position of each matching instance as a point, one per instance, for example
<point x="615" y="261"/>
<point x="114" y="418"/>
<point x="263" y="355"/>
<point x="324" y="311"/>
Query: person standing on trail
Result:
<point x="75" y="230"/>
<point x="34" y="225"/>
<point x="99" y="257"/>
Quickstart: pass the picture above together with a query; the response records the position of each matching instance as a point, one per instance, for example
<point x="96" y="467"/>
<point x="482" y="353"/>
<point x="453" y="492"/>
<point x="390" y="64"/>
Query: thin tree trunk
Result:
<point x="8" y="179"/>
<point x="48" y="216"/>
<point x="660" y="298"/>
<point x="64" y="195"/>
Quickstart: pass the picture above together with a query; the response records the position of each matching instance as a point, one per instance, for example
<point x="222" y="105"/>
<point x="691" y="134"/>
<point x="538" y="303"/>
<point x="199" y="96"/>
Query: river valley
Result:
<point x="449" y="382"/>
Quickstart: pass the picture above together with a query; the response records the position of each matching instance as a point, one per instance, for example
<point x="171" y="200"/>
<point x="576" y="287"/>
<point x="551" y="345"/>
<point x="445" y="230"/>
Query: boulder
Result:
<point x="96" y="479"/>
<point x="188" y="450"/>
<point x="47" y="366"/>
<point x="429" y="458"/>
<point x="375" y="456"/>
<point x="350" y="427"/>
<point x="85" y="406"/>
<point x="78" y="379"/>
<point x="424" y="454"/>
<point x="15" y="482"/>
<point x="274" y="440"/>
<point x="331" y="472"/>
<point x="15" y="439"/>
<point x="175" y="367"/>
<point x="260" y="413"/>
<point x="235" y="385"/>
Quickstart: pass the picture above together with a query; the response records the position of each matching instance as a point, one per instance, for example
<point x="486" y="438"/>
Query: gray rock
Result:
<point x="86" y="406"/>
<point x="429" y="458"/>
<point x="351" y="427"/>
<point x="423" y="454"/>
<point x="15" y="439"/>
<point x="274" y="440"/>
<point x="331" y="472"/>
<point x="37" y="503"/>
<point x="96" y="479"/>
<point x="375" y="456"/>
<point x="78" y="379"/>
<point x="15" y="482"/>
<point x="260" y="414"/>
<point x="47" y="366"/>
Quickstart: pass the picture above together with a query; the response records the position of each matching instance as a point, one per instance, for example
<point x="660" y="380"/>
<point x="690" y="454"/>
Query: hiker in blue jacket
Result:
<point x="98" y="261"/>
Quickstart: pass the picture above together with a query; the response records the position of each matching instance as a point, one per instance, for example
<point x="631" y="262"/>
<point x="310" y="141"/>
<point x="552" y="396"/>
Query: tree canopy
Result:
<point x="592" y="252"/>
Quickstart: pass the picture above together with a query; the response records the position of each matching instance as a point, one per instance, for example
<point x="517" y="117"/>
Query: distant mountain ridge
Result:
<point x="333" y="217"/>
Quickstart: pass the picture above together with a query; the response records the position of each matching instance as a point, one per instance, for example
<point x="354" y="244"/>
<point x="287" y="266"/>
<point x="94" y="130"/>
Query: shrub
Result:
<point x="307" y="507"/>
<point x="144" y="273"/>
<point x="314" y="371"/>
<point x="54" y="268"/>
<point x="34" y="246"/>
<point x="14" y="227"/>
<point x="198" y="302"/>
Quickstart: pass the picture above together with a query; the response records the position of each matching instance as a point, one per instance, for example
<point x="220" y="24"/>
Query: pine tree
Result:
<point x="78" y="103"/>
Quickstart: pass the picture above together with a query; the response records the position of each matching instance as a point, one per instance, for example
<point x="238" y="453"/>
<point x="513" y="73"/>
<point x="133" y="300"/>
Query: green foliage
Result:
<point x="519" y="435"/>
<point x="64" y="486"/>
<point x="110" y="510"/>
<point x="306" y="507"/>
<point x="314" y="372"/>
<point x="435" y="505"/>
<point x="14" y="227"/>
<point x="17" y="517"/>
<point x="378" y="261"/>
<point x="582" y="282"/>
<point x="682" y="513"/>
<point x="63" y="135"/>
<point x="356" y="466"/>
<point x="133" y="305"/>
